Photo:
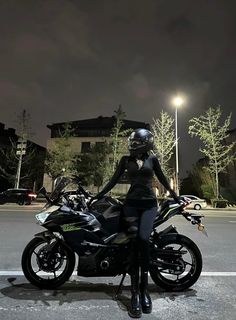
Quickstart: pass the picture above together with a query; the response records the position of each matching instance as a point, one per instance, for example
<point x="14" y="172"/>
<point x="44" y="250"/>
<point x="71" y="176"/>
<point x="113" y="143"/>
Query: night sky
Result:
<point x="67" y="60"/>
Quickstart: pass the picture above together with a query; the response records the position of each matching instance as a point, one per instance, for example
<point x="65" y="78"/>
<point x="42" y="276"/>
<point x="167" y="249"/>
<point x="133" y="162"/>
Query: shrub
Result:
<point x="219" y="203"/>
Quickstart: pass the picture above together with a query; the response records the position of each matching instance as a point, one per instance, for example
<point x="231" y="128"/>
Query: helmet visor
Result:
<point x="134" y="144"/>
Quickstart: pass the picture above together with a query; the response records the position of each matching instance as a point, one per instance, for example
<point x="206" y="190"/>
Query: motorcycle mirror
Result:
<point x="76" y="179"/>
<point x="42" y="191"/>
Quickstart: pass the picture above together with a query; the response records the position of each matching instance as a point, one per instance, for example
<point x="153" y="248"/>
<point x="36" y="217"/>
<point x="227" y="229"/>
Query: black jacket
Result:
<point x="140" y="193"/>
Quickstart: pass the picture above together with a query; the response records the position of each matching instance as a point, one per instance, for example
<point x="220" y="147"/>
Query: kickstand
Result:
<point x="119" y="290"/>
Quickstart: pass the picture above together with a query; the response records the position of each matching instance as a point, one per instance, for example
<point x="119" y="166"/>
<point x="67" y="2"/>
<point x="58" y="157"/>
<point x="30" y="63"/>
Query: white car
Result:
<point x="196" y="203"/>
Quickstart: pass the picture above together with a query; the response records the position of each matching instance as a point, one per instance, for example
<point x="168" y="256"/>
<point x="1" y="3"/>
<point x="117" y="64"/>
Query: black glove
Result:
<point x="91" y="200"/>
<point x="175" y="197"/>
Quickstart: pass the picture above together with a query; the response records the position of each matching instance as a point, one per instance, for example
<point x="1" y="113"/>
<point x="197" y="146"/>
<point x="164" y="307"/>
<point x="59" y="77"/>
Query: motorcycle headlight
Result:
<point x="42" y="217"/>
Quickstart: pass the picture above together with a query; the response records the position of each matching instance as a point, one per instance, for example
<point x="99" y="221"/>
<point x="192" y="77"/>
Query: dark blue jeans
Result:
<point x="138" y="222"/>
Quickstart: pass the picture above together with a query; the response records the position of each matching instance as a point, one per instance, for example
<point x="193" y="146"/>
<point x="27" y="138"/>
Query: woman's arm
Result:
<point x="114" y="179"/>
<point x="162" y="178"/>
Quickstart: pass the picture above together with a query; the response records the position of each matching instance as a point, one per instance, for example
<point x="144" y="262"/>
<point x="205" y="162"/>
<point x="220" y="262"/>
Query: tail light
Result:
<point x="32" y="195"/>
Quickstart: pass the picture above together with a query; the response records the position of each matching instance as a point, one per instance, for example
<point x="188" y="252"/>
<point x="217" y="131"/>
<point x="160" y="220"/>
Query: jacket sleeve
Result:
<point x="162" y="178"/>
<point x="114" y="179"/>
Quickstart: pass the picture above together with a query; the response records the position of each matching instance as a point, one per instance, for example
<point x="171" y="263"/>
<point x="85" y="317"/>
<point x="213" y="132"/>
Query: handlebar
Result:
<point x="193" y="218"/>
<point x="84" y="192"/>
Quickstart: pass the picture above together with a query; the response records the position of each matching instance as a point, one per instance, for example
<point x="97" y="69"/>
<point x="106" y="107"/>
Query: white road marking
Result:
<point x="24" y="210"/>
<point x="232" y="221"/>
<point x="204" y="274"/>
<point x="218" y="274"/>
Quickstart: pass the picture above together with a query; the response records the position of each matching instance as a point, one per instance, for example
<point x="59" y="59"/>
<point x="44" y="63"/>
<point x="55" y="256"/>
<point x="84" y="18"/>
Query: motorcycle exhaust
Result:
<point x="92" y="244"/>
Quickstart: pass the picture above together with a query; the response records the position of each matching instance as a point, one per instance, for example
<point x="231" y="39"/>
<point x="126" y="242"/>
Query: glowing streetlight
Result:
<point x="177" y="102"/>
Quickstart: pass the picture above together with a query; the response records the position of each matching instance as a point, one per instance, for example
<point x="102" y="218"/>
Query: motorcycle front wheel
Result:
<point x="47" y="265"/>
<point x="178" y="265"/>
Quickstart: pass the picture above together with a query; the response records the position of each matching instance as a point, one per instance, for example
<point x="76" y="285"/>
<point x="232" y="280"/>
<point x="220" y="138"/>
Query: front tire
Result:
<point x="189" y="263"/>
<point x="47" y="265"/>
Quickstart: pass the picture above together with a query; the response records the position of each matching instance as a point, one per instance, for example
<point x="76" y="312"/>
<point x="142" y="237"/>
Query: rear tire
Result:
<point x="186" y="278"/>
<point x="197" y="207"/>
<point x="21" y="202"/>
<point x="62" y="253"/>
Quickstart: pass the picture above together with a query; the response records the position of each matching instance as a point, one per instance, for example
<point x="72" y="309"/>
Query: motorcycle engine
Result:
<point x="113" y="258"/>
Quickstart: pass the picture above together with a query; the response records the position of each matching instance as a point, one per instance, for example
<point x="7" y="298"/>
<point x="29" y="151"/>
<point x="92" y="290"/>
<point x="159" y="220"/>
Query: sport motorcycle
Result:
<point x="94" y="232"/>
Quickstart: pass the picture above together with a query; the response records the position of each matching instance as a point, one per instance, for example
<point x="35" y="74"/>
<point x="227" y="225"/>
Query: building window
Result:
<point x="85" y="147"/>
<point x="100" y="143"/>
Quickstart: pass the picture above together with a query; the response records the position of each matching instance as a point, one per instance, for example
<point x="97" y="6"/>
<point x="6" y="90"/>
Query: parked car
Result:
<point x="20" y="196"/>
<point x="196" y="203"/>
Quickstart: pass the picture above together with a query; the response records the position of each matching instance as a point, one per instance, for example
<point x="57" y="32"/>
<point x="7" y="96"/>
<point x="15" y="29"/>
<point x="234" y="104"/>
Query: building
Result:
<point x="87" y="132"/>
<point x="33" y="172"/>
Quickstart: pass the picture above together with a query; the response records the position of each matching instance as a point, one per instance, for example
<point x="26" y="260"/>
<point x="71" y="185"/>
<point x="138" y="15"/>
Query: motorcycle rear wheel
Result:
<point x="46" y="268"/>
<point x="190" y="263"/>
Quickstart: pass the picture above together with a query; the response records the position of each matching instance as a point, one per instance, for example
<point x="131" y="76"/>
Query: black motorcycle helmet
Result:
<point x="140" y="141"/>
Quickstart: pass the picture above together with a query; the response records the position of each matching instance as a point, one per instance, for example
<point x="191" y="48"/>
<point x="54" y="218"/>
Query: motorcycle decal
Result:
<point x="168" y="212"/>
<point x="70" y="227"/>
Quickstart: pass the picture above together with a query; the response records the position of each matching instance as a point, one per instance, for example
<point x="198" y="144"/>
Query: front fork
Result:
<point x="48" y="236"/>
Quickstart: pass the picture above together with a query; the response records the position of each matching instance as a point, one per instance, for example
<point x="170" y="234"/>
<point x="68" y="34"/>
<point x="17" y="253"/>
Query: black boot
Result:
<point x="146" y="301"/>
<point x="135" y="309"/>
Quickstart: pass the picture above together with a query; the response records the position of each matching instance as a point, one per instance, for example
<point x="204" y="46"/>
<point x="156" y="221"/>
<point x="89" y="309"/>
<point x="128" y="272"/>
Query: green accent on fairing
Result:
<point x="171" y="209"/>
<point x="69" y="227"/>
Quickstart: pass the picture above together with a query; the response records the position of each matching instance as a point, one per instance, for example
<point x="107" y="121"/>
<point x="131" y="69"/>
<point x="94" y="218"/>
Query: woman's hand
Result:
<point x="91" y="200"/>
<point x="175" y="197"/>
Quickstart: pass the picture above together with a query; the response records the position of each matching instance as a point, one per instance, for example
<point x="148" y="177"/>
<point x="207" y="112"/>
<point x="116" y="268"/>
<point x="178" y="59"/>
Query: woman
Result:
<point x="139" y="212"/>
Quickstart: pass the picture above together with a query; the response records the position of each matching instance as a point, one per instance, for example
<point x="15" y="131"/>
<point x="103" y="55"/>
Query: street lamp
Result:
<point x="177" y="102"/>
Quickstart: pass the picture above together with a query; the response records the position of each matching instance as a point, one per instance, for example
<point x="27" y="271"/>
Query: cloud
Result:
<point x="49" y="32"/>
<point x="67" y="59"/>
<point x="138" y="86"/>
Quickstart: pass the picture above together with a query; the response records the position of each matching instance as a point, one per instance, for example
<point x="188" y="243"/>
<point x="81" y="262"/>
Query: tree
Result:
<point x="31" y="167"/>
<point x="200" y="181"/>
<point x="119" y="144"/>
<point x="9" y="163"/>
<point x="18" y="168"/>
<point x="24" y="129"/>
<point x="60" y="157"/>
<point x="212" y="134"/>
<point x="92" y="166"/>
<point x="164" y="142"/>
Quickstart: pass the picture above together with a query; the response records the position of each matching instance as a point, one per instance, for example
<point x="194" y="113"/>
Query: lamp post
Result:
<point x="177" y="102"/>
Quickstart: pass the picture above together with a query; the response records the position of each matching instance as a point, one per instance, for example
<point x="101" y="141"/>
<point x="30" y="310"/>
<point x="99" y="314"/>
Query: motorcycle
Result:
<point x="94" y="233"/>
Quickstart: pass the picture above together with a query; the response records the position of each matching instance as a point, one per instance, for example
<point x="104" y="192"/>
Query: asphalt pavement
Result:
<point x="212" y="297"/>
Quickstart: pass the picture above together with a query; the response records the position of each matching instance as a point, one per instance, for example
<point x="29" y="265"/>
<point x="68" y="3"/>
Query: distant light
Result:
<point x="32" y="195"/>
<point x="178" y="101"/>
